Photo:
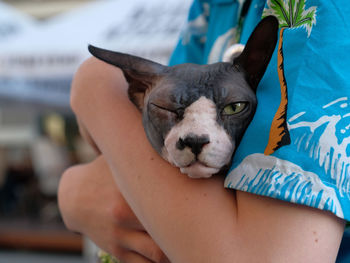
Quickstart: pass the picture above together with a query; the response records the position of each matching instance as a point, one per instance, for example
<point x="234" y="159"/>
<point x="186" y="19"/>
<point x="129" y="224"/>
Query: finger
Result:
<point x="141" y="243"/>
<point x="126" y="256"/>
<point x="131" y="257"/>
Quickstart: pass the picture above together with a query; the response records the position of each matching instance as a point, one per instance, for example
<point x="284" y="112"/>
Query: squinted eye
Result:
<point x="164" y="108"/>
<point x="178" y="112"/>
<point x="234" y="108"/>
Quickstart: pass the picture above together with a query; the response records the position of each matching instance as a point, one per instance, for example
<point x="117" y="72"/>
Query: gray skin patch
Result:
<point x="191" y="109"/>
<point x="196" y="106"/>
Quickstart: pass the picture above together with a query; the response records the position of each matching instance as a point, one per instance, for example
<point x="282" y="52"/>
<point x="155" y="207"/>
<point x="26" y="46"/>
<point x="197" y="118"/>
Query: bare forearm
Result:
<point x="185" y="204"/>
<point x="193" y="220"/>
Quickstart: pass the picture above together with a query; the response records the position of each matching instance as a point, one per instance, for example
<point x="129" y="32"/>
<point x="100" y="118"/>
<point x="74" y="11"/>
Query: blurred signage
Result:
<point x="38" y="65"/>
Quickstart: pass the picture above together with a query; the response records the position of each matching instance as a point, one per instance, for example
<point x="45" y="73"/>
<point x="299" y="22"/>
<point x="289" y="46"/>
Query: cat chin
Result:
<point x="199" y="170"/>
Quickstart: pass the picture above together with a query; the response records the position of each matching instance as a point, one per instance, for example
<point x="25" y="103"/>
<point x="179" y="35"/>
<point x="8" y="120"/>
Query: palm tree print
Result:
<point x="291" y="14"/>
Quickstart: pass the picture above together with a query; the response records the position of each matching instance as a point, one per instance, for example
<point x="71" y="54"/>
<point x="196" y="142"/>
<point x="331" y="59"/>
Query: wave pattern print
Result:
<point x="269" y="176"/>
<point x="324" y="134"/>
<point x="327" y="140"/>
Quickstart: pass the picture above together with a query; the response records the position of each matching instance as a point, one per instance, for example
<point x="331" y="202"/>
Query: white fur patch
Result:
<point x="232" y="52"/>
<point x="199" y="119"/>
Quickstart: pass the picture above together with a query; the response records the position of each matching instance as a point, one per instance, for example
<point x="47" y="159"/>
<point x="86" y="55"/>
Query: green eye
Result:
<point x="234" y="108"/>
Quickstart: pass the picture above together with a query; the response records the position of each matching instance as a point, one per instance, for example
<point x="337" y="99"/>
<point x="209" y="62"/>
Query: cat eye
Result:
<point x="234" y="108"/>
<point x="179" y="112"/>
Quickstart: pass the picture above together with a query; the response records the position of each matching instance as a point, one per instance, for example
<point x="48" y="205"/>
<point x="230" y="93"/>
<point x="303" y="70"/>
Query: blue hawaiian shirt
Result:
<point x="297" y="147"/>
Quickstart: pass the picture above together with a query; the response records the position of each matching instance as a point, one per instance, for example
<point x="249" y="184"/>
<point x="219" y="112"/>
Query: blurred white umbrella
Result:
<point x="38" y="65"/>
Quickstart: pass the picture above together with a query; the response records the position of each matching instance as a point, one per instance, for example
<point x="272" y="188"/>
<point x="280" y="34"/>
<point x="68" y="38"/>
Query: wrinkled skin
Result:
<point x="195" y="115"/>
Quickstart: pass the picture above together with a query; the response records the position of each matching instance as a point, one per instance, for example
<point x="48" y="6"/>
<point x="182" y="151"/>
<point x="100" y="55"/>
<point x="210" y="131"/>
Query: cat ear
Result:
<point x="140" y="73"/>
<point x="258" y="51"/>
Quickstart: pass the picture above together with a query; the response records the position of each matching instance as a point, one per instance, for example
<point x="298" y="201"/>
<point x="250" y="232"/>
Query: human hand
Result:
<point x="90" y="203"/>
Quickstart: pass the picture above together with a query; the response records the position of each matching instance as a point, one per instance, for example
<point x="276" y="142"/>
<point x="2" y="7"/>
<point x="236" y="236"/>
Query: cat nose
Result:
<point x="194" y="142"/>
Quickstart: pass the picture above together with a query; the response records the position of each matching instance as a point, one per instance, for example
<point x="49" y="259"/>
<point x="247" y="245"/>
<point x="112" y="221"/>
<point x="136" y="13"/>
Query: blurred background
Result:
<point x="42" y="43"/>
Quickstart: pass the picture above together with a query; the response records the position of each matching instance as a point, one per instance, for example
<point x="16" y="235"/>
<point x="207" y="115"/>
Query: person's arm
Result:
<point x="90" y="203"/>
<point x="193" y="220"/>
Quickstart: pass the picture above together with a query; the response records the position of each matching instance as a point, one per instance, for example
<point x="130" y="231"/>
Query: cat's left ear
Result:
<point x="140" y="73"/>
<point x="258" y="51"/>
